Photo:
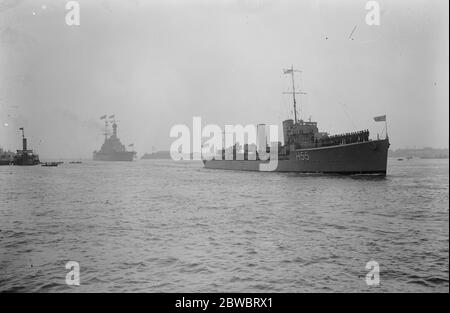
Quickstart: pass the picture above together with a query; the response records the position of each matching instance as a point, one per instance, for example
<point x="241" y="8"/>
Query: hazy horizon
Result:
<point x="155" y="64"/>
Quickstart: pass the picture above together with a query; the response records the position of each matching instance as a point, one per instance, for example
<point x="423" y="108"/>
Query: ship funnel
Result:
<point x="261" y="137"/>
<point x="114" y="129"/>
<point x="24" y="140"/>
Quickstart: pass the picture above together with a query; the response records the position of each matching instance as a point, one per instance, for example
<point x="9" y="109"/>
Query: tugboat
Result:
<point x="306" y="150"/>
<point x="25" y="156"/>
<point x="112" y="149"/>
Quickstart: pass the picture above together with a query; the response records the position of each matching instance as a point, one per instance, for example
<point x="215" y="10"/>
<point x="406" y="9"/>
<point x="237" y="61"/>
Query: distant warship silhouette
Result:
<point x="112" y="149"/>
<point x="25" y="156"/>
<point x="22" y="157"/>
<point x="6" y="157"/>
<point x="307" y="150"/>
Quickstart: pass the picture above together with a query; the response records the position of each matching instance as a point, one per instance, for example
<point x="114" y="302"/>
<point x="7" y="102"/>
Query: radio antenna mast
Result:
<point x="293" y="92"/>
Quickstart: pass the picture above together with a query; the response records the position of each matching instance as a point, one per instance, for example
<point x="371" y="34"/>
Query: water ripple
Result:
<point x="160" y="226"/>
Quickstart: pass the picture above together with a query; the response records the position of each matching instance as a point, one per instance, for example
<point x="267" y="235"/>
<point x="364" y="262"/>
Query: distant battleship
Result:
<point x="307" y="150"/>
<point x="112" y="149"/>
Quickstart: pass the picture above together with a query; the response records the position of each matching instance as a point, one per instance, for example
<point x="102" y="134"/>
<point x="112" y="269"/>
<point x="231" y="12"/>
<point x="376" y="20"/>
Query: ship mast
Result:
<point x="103" y="117"/>
<point x="293" y="92"/>
<point x="106" y="129"/>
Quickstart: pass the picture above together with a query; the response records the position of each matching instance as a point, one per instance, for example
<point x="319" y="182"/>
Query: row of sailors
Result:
<point x="353" y="137"/>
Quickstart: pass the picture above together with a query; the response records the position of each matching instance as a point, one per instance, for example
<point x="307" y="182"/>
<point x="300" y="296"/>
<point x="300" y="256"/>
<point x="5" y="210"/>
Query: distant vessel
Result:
<point x="6" y="157"/>
<point x="112" y="149"/>
<point x="307" y="150"/>
<point x="422" y="153"/>
<point x="51" y="164"/>
<point x="156" y="155"/>
<point x="25" y="156"/>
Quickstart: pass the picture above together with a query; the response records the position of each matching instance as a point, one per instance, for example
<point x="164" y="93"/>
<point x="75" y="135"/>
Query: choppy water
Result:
<point x="163" y="226"/>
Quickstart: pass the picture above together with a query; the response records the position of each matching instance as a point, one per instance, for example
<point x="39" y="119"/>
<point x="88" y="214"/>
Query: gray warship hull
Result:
<point x="369" y="157"/>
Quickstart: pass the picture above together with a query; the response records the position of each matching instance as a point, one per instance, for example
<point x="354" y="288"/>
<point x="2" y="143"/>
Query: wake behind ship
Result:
<point x="112" y="149"/>
<point x="307" y="150"/>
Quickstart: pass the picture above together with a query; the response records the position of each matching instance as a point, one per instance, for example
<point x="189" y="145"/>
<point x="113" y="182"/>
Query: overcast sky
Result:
<point x="155" y="64"/>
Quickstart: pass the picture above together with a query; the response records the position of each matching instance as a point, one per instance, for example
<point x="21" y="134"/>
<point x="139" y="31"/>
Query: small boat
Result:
<point x="400" y="159"/>
<point x="50" y="163"/>
<point x="75" y="162"/>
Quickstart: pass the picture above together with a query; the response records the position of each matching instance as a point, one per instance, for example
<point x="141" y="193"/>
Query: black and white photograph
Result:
<point x="224" y="152"/>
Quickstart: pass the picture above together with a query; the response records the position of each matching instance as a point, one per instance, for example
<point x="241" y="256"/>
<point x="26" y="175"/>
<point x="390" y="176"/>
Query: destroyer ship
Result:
<point x="306" y="150"/>
<point x="112" y="149"/>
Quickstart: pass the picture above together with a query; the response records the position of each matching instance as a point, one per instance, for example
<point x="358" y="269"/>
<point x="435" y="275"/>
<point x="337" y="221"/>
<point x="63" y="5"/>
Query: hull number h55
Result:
<point x="302" y="156"/>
